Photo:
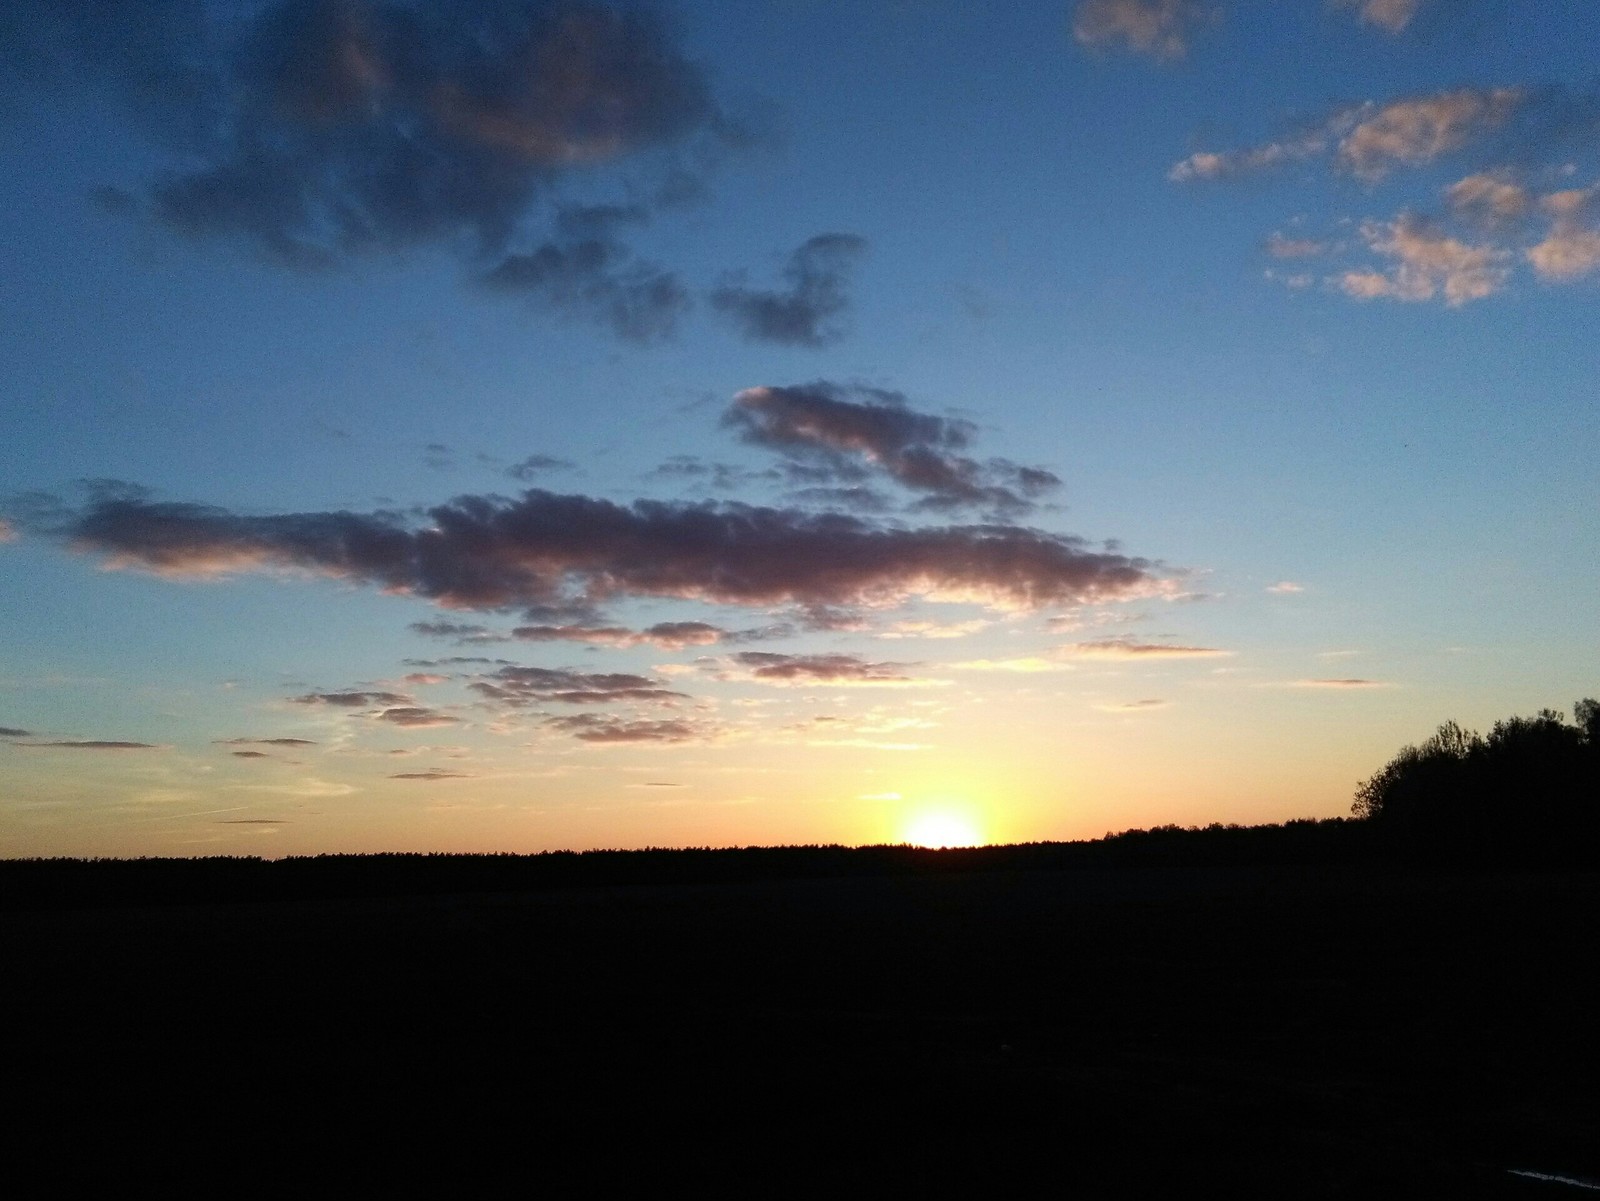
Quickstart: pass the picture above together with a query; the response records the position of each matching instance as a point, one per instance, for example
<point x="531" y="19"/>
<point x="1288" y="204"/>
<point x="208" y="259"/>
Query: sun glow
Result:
<point x="943" y="829"/>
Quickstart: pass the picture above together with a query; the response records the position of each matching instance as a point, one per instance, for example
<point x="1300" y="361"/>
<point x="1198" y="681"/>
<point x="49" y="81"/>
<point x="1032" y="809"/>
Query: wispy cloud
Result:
<point x="1142" y="706"/>
<point x="1285" y="587"/>
<point x="95" y="744"/>
<point x="433" y="773"/>
<point x="1390" y="15"/>
<point x="1280" y="246"/>
<point x="1418" y="130"/>
<point x="1427" y="262"/>
<point x="803" y="313"/>
<point x="842" y="431"/>
<point x="768" y="667"/>
<point x="266" y="742"/>
<point x="1339" y="684"/>
<point x="1488" y="198"/>
<point x="1370" y="140"/>
<point x="1571" y="249"/>
<point x="416" y="717"/>
<point x="1161" y="28"/>
<point x="600" y="728"/>
<point x="1130" y="648"/>
<point x="351" y="700"/>
<point x="519" y="686"/>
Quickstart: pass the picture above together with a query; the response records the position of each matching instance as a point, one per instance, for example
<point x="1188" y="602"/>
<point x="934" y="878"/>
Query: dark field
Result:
<point x="917" y="1024"/>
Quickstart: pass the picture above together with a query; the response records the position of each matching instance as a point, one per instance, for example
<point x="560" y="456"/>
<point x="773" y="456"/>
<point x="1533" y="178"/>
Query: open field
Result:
<point x="1311" y="1030"/>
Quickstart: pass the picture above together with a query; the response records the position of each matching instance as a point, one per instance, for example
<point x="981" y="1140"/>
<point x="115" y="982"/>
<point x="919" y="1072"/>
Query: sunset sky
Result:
<point x="480" y="425"/>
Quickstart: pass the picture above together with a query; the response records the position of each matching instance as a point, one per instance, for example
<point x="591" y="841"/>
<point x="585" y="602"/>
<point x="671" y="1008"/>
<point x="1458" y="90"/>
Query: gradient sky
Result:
<point x="506" y="425"/>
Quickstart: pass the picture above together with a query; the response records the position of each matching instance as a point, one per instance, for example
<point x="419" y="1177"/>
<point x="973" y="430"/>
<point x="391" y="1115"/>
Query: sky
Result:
<point x="508" y="425"/>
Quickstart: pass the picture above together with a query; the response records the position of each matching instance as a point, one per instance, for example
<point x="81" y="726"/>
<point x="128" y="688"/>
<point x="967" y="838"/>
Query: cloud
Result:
<point x="318" y="132"/>
<point x="8" y="532"/>
<point x="535" y="465"/>
<point x="265" y="742"/>
<point x="840" y="429"/>
<point x="94" y="744"/>
<point x="1129" y="648"/>
<point x="1285" y="587"/>
<point x="416" y="717"/>
<point x="1370" y="139"/>
<point x="518" y="686"/>
<point x="13" y="732"/>
<point x="1209" y="164"/>
<point x="1281" y="247"/>
<point x="1416" y="131"/>
<point x="669" y="635"/>
<point x="491" y="552"/>
<point x="1390" y="15"/>
<point x="252" y="821"/>
<point x="769" y="667"/>
<point x="250" y="754"/>
<point x="1427" y="263"/>
<point x="1143" y="706"/>
<point x="351" y="700"/>
<point x="433" y="773"/>
<point x="1161" y="28"/>
<point x="593" y="727"/>
<point x="799" y="315"/>
<point x="1572" y="247"/>
<point x="462" y="632"/>
<point x="1348" y="683"/>
<point x="1488" y="198"/>
<point x="585" y="272"/>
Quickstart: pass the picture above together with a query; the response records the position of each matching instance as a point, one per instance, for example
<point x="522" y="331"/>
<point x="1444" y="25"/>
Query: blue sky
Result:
<point x="525" y="425"/>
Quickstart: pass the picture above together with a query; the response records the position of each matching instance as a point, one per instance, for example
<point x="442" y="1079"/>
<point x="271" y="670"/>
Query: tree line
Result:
<point x="1528" y="790"/>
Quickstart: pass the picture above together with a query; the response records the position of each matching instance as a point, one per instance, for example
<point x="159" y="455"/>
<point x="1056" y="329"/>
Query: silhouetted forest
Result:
<point x="1528" y="791"/>
<point x="1390" y="1004"/>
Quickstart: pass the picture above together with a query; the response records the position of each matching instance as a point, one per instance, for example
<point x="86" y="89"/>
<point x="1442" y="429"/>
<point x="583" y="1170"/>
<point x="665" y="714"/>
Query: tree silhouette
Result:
<point x="1530" y="788"/>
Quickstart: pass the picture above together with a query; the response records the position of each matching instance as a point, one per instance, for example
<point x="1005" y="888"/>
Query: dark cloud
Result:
<point x="416" y="717"/>
<point x="801" y="314"/>
<point x="669" y="635"/>
<point x="519" y="686"/>
<point x="351" y="700"/>
<point x="836" y="430"/>
<point x="721" y="477"/>
<point x="585" y="272"/>
<point x="13" y="732"/>
<point x="856" y="498"/>
<point x="250" y="754"/>
<point x="535" y="465"/>
<point x="830" y="669"/>
<point x="316" y="132"/>
<point x="593" y="727"/>
<point x="265" y="742"/>
<point x="462" y="632"/>
<point x="432" y="773"/>
<point x="491" y="552"/>
<point x="95" y="744"/>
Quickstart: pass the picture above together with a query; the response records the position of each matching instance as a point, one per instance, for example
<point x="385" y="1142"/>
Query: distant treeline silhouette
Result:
<point x="1526" y="792"/>
<point x="49" y="883"/>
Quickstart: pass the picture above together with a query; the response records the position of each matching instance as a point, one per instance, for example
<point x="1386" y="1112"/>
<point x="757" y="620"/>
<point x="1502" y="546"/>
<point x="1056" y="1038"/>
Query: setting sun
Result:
<point x="943" y="830"/>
